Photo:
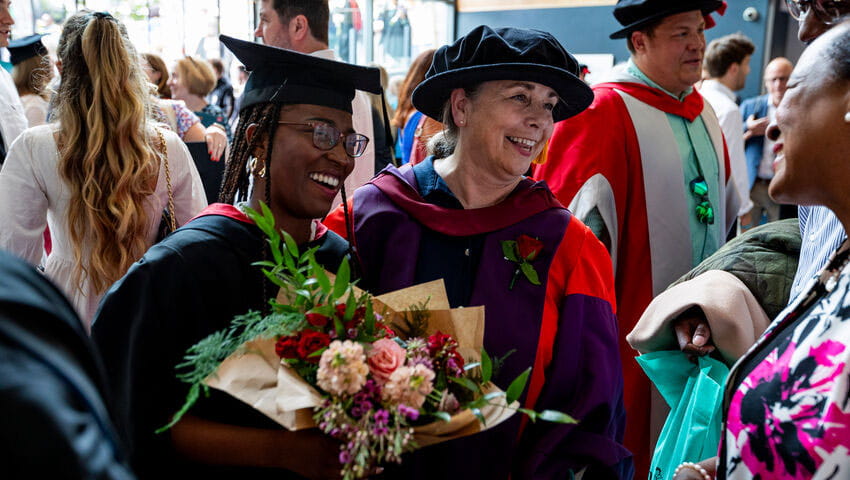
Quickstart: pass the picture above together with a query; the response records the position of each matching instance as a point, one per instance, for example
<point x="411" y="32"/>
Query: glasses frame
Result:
<point x="799" y="9"/>
<point x="704" y="209"/>
<point x="334" y="136"/>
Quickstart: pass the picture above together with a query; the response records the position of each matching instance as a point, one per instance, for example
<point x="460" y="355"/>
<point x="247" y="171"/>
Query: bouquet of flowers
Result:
<point x="384" y="375"/>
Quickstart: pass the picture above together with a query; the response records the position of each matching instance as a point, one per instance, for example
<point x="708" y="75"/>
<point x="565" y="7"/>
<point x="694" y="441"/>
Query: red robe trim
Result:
<point x="230" y="211"/>
<point x="580" y="267"/>
<point x="690" y="107"/>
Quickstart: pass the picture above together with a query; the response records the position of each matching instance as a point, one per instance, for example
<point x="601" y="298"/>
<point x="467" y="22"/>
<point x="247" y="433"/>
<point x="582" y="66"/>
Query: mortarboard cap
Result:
<point x="283" y="76"/>
<point x="25" y="48"/>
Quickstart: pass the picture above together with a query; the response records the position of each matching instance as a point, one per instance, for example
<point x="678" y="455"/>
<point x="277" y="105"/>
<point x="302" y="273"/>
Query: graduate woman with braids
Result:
<point x="294" y="148"/>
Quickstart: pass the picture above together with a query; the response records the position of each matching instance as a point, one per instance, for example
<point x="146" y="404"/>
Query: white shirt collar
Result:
<point x="327" y="53"/>
<point x="717" y="86"/>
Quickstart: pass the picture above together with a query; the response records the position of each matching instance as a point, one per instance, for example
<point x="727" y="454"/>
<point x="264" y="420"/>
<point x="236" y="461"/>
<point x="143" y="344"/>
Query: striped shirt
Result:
<point x="822" y="234"/>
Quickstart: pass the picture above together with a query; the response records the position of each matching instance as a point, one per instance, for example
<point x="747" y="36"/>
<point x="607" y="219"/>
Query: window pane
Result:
<point x="345" y="32"/>
<point x="404" y="28"/>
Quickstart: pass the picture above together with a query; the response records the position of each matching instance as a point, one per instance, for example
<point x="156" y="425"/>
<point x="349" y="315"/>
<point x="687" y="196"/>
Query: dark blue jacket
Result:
<point x="754" y="146"/>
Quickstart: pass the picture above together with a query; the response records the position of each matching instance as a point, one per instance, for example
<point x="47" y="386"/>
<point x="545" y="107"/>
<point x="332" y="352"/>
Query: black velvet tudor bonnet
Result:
<point x="283" y="76"/>
<point x="486" y="54"/>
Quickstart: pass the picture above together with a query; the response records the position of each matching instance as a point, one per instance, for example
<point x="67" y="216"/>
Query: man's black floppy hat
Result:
<point x="636" y="14"/>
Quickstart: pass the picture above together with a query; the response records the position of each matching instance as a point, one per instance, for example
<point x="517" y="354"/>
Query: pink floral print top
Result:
<point x="788" y="398"/>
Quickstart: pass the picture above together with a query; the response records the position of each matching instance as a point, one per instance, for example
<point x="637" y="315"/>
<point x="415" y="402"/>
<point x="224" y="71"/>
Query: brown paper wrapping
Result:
<point x="257" y="376"/>
<point x="464" y="423"/>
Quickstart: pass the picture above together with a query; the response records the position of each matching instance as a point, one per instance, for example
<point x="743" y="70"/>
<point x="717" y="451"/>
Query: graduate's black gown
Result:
<point x="186" y="287"/>
<point x="54" y="421"/>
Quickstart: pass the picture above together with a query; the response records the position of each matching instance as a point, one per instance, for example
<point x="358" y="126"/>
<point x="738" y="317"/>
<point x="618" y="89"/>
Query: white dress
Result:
<point x="33" y="196"/>
<point x="35" y="109"/>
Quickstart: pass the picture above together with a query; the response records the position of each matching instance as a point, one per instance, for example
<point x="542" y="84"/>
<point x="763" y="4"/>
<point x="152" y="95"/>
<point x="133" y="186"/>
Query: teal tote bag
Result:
<point x="694" y="392"/>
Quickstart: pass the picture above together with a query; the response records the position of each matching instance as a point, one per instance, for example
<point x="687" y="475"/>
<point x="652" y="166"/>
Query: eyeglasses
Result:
<point x="704" y="210"/>
<point x="326" y="137"/>
<point x="828" y="11"/>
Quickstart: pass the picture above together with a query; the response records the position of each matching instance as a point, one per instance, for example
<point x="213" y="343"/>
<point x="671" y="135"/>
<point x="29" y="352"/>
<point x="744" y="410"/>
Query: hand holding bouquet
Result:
<point x="384" y="375"/>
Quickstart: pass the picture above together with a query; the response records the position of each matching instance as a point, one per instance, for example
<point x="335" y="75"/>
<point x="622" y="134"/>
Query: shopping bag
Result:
<point x="694" y="392"/>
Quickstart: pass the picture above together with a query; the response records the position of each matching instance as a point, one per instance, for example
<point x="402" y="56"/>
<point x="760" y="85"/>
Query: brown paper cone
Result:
<point x="250" y="376"/>
<point x="465" y="422"/>
<point x="401" y="300"/>
<point x="257" y="377"/>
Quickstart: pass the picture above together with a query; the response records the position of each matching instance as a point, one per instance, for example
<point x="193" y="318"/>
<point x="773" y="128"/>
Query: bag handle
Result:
<point x="172" y="219"/>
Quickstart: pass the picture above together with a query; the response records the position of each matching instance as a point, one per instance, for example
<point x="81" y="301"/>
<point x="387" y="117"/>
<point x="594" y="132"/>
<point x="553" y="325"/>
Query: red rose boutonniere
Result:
<point x="523" y="251"/>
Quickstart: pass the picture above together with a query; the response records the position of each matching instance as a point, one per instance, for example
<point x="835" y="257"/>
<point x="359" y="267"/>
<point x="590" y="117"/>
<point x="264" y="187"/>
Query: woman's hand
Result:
<point x="216" y="141"/>
<point x="709" y="466"/>
<point x="693" y="333"/>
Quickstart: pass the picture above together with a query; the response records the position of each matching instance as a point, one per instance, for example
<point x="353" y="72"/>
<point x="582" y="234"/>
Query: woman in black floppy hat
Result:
<point x="468" y="215"/>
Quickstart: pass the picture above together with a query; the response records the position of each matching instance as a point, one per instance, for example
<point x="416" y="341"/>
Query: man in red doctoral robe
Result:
<point x="646" y="168"/>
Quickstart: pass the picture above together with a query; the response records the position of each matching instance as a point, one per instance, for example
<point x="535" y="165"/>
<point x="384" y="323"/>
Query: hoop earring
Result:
<point x="251" y="167"/>
<point x="543" y="156"/>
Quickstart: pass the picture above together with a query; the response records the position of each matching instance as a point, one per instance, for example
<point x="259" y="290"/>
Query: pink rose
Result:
<point x="384" y="358"/>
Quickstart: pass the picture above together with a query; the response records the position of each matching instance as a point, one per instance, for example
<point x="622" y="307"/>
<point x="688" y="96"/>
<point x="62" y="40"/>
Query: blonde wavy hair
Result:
<point x="106" y="152"/>
<point x="32" y="76"/>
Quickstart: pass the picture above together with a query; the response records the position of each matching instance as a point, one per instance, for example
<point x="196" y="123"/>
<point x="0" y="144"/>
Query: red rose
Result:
<point x="310" y="342"/>
<point x="287" y="347"/>
<point x="340" y="311"/>
<point x="528" y="247"/>
<point x="437" y="341"/>
<point x="317" y="319"/>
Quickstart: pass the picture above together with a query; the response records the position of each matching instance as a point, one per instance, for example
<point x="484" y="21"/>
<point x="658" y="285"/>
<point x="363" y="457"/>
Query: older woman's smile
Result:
<point x="524" y="141"/>
<point x="524" y="145"/>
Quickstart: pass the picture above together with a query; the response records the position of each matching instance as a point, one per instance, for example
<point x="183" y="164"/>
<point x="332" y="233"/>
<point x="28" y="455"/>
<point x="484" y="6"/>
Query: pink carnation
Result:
<point x="384" y="358"/>
<point x="409" y="385"/>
